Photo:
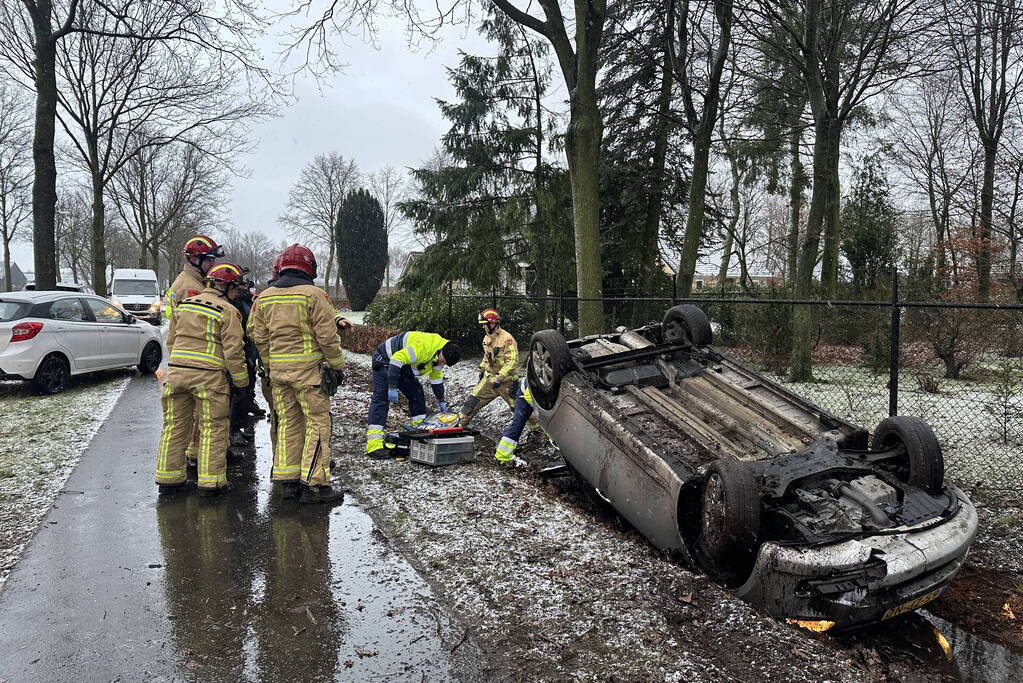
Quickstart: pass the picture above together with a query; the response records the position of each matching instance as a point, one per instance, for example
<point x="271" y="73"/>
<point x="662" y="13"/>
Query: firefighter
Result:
<point x="200" y="254"/>
<point x="243" y="401"/>
<point x="264" y="378"/>
<point x="523" y="413"/>
<point x="205" y="340"/>
<point x="396" y="365"/>
<point x="498" y="368"/>
<point x="293" y="326"/>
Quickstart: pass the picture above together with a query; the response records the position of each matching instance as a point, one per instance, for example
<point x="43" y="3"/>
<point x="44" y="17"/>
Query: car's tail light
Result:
<point x="25" y="331"/>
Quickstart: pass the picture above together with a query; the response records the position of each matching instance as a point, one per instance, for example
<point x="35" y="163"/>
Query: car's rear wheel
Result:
<point x="686" y="324"/>
<point x="729" y="522"/>
<point x="53" y="375"/>
<point x="549" y="358"/>
<point x="152" y="354"/>
<point x="922" y="465"/>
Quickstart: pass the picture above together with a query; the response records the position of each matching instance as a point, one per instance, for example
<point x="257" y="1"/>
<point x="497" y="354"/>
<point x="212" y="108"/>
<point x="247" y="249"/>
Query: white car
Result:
<point x="45" y="337"/>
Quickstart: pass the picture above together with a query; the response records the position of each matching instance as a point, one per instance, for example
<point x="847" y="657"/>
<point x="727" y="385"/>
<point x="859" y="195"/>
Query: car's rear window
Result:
<point x="13" y="310"/>
<point x="134" y="288"/>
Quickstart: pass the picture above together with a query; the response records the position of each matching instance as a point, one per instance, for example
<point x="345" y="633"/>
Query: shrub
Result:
<point x="365" y="338"/>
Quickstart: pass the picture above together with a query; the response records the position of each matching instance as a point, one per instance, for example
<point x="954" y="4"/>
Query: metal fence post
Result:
<point x="893" y="352"/>
<point x="561" y="307"/>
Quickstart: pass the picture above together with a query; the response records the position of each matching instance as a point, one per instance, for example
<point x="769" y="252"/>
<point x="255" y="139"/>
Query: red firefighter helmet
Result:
<point x="275" y="269"/>
<point x="226" y="273"/>
<point x="489" y="315"/>
<point x="297" y="257"/>
<point x="200" y="245"/>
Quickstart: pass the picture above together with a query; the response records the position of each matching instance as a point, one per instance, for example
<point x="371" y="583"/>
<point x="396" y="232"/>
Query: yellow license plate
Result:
<point x="915" y="603"/>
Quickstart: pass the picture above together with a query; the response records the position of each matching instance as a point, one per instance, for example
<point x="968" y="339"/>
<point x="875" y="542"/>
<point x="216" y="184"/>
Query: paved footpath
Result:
<point x="117" y="586"/>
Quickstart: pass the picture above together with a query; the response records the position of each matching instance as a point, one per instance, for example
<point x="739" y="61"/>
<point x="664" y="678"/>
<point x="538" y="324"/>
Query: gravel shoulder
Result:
<point x="41" y="439"/>
<point x="554" y="591"/>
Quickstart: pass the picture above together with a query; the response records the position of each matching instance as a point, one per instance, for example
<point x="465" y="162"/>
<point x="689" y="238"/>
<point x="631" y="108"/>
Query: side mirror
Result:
<point x="130" y="319"/>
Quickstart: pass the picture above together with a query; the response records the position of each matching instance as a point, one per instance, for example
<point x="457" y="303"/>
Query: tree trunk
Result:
<point x="987" y="200"/>
<point x="44" y="187"/>
<point x="802" y="319"/>
<point x="697" y="209"/>
<point x="832" y="214"/>
<point x="583" y="149"/>
<point x="733" y="222"/>
<point x="7" y="265"/>
<point x="798" y="178"/>
<point x="98" y="239"/>
<point x="655" y="200"/>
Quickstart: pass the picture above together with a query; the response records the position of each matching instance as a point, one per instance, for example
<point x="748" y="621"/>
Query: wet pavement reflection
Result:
<point x="262" y="588"/>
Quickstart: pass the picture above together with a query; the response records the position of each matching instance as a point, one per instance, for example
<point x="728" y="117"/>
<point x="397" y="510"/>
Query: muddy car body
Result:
<point x="799" y="512"/>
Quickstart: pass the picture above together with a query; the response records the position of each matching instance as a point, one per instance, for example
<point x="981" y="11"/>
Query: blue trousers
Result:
<point x="510" y="438"/>
<point x="379" y="405"/>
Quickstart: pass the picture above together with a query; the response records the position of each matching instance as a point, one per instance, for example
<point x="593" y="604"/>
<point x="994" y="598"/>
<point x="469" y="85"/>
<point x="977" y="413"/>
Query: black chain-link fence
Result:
<point x="957" y="366"/>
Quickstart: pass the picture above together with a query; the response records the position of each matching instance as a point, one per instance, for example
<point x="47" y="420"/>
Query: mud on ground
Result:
<point x="557" y="592"/>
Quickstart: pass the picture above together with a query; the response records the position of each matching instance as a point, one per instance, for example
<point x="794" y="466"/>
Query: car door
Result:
<point x="75" y="331"/>
<point x="121" y="339"/>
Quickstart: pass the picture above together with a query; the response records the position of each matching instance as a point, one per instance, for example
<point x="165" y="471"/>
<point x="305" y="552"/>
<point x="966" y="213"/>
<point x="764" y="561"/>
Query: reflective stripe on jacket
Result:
<point x="206" y="333"/>
<point x="419" y="351"/>
<point x="189" y="282"/>
<point x="294" y="331"/>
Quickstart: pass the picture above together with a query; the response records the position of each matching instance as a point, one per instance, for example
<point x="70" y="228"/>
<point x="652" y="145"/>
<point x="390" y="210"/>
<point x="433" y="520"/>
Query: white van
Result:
<point x="137" y="291"/>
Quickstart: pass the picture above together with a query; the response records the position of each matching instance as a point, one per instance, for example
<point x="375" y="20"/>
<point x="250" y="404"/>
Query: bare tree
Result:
<point x="15" y="171"/>
<point x="112" y="88"/>
<point x="31" y="32"/>
<point x="252" y="250"/>
<point x="986" y="43"/>
<point x="73" y="221"/>
<point x="388" y="186"/>
<point x="314" y="203"/>
<point x="161" y="189"/>
<point x="699" y="58"/>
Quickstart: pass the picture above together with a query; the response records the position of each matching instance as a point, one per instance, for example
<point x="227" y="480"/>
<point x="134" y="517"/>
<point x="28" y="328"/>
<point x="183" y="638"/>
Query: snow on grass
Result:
<point x="41" y="439"/>
<point x="551" y="589"/>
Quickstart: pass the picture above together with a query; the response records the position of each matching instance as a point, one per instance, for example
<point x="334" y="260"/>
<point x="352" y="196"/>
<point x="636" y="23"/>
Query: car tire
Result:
<point x="152" y="356"/>
<point x="686" y="324"/>
<point x="729" y="522"/>
<point x="549" y="359"/>
<point x="52" y="375"/>
<point x="923" y="466"/>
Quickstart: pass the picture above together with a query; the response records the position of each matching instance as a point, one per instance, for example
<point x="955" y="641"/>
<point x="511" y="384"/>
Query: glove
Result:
<point x="442" y="406"/>
<point x="497" y="383"/>
<point x="481" y="375"/>
<point x="392" y="395"/>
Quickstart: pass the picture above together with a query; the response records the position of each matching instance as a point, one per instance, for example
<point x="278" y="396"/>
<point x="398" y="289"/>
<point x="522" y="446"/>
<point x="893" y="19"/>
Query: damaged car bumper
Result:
<point x="856" y="582"/>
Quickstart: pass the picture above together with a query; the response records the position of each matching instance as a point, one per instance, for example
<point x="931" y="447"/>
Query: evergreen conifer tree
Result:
<point x="362" y="247"/>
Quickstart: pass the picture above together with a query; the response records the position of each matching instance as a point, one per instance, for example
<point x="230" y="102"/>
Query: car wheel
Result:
<point x="923" y="465"/>
<point x="729" y="522"/>
<point x="52" y="375"/>
<point x="548" y="360"/>
<point x="686" y="324"/>
<point x="152" y="354"/>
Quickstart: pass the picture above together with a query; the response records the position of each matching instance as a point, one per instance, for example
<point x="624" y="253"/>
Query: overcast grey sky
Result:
<point x="380" y="111"/>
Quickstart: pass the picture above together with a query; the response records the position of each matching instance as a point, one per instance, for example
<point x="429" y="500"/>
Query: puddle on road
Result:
<point x="259" y="588"/>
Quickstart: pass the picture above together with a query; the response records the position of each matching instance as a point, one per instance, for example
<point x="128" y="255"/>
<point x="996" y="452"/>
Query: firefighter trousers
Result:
<point x="199" y="399"/>
<point x="483" y="394"/>
<point x="510" y="439"/>
<point x="302" y="452"/>
<point x="379" y="405"/>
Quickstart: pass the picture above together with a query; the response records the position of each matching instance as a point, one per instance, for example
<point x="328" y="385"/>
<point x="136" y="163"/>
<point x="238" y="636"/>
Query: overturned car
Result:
<point x="799" y="512"/>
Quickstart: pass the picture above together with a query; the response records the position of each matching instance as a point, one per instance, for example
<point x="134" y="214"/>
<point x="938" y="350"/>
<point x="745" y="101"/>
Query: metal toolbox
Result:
<point x="452" y="450"/>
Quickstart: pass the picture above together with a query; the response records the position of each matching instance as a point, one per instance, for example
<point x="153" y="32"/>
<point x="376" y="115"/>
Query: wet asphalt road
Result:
<point x="118" y="586"/>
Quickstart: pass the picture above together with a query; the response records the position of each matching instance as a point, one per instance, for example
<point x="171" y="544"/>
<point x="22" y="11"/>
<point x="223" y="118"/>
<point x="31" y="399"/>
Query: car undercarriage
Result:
<point x="806" y="515"/>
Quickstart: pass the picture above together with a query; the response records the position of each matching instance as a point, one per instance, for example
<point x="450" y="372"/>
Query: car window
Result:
<point x="104" y="311"/>
<point x="13" y="310"/>
<point x="134" y="288"/>
<point x="68" y="309"/>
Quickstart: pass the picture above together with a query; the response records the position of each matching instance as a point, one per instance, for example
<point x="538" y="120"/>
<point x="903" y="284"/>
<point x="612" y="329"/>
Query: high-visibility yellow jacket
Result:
<point x="419" y="351"/>
<point x="189" y="282"/>
<point x="206" y="334"/>
<point x="500" y="355"/>
<point x="294" y="331"/>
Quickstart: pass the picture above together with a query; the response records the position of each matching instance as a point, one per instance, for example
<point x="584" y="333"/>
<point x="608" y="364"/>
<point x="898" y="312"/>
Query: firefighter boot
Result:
<point x="290" y="489"/>
<point x="213" y="493"/>
<point x="321" y="494"/>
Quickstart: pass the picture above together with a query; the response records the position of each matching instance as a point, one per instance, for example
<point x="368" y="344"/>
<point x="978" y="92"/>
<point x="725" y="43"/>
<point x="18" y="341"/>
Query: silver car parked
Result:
<point x="801" y="513"/>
